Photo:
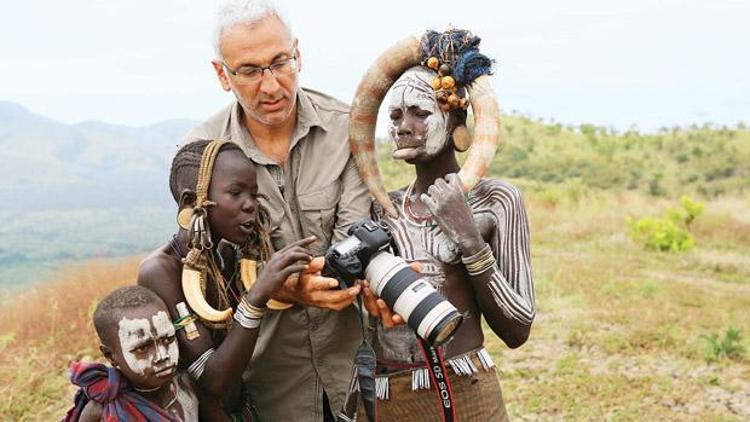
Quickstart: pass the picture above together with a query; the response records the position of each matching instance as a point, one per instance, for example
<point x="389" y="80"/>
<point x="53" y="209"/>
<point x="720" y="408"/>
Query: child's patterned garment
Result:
<point x="106" y="386"/>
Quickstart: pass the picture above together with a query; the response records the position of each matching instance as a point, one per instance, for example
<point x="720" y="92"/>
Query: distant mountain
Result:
<point x="73" y="192"/>
<point x="50" y="165"/>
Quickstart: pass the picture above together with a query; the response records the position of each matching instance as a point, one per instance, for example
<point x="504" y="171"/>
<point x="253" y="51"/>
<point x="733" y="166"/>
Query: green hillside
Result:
<point x="706" y="161"/>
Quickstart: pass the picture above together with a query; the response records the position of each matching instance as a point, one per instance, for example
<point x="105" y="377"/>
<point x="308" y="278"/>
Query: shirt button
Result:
<point x="313" y="327"/>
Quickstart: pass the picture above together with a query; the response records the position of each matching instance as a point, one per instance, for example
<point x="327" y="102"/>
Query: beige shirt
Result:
<point x="303" y="351"/>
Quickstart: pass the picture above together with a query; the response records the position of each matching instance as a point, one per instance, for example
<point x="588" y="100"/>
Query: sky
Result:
<point x="643" y="63"/>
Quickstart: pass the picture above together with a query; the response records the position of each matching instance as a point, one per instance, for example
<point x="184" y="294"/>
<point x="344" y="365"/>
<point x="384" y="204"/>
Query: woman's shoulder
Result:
<point x="159" y="269"/>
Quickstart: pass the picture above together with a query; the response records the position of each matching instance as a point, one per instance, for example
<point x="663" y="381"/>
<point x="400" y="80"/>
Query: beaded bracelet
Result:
<point x="480" y="261"/>
<point x="196" y="368"/>
<point x="248" y="315"/>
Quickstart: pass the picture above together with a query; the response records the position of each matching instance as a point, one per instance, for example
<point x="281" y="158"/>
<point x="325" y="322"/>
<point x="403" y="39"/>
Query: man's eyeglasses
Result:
<point x="253" y="74"/>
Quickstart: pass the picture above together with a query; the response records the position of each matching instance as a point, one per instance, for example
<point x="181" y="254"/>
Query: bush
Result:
<point x="729" y="347"/>
<point x="670" y="234"/>
<point x="660" y="234"/>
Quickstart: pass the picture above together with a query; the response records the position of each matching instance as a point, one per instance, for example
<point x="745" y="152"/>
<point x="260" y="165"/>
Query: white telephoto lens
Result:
<point x="423" y="308"/>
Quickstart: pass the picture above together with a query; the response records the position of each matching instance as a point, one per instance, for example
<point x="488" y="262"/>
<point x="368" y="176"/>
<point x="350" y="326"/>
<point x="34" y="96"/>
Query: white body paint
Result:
<point x="134" y="332"/>
<point x="412" y="89"/>
<point x="186" y="403"/>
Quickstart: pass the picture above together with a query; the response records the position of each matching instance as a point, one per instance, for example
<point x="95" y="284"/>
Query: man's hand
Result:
<point x="289" y="260"/>
<point x="378" y="308"/>
<point x="310" y="288"/>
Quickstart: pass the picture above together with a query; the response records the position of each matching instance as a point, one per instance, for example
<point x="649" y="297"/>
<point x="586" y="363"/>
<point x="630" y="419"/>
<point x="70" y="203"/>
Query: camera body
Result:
<point x="363" y="256"/>
<point x="347" y="260"/>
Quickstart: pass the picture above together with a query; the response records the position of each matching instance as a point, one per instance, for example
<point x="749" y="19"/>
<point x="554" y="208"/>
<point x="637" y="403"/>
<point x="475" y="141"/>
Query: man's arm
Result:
<point x="354" y="204"/>
<point x="311" y="288"/>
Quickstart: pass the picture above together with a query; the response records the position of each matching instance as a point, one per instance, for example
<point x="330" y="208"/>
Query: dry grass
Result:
<point x="619" y="329"/>
<point x="42" y="330"/>
<point x="618" y="334"/>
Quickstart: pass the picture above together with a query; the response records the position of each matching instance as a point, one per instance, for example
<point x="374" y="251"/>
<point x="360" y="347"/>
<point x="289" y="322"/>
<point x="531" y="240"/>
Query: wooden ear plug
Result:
<point x="461" y="138"/>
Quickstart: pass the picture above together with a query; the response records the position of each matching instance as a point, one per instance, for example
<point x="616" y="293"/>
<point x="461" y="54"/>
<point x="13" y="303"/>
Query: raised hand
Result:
<point x="290" y="260"/>
<point x="447" y="204"/>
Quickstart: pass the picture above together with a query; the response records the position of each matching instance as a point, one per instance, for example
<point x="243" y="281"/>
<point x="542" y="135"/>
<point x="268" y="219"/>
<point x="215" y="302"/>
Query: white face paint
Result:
<point x="413" y="89"/>
<point x="149" y="344"/>
<point x="167" y="347"/>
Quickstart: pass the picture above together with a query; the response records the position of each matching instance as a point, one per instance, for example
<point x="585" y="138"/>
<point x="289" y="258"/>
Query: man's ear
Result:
<point x="221" y="73"/>
<point x="187" y="198"/>
<point x="108" y="354"/>
<point x="299" y="55"/>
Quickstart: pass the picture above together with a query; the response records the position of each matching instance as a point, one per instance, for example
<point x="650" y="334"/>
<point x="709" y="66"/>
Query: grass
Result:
<point x="44" y="329"/>
<point x="621" y="331"/>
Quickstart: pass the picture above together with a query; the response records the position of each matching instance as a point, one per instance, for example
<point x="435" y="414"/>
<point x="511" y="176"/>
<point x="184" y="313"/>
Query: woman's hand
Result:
<point x="446" y="201"/>
<point x="378" y="308"/>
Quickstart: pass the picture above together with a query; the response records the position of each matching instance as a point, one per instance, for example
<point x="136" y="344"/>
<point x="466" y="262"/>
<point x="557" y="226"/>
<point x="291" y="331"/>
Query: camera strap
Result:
<point x="364" y="368"/>
<point x="439" y="377"/>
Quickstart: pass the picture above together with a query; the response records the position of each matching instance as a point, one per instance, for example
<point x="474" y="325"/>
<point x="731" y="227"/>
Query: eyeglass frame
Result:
<point x="263" y="69"/>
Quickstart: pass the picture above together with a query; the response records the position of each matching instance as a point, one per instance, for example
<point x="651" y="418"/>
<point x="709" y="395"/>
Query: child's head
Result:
<point x="233" y="188"/>
<point x="137" y="336"/>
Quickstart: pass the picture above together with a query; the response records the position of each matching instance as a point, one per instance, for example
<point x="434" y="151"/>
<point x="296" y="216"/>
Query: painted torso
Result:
<point x="440" y="259"/>
<point x="185" y="405"/>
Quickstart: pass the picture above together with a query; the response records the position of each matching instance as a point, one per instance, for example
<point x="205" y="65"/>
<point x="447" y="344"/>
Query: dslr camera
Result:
<point x="363" y="255"/>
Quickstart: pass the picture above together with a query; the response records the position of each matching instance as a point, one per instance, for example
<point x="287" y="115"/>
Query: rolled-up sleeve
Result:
<point x="355" y="201"/>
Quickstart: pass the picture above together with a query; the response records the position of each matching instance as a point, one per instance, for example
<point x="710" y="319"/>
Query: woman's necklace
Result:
<point x="172" y="389"/>
<point x="409" y="214"/>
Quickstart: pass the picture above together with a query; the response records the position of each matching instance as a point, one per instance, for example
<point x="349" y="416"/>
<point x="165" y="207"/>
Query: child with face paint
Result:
<point x="138" y="339"/>
<point x="205" y="273"/>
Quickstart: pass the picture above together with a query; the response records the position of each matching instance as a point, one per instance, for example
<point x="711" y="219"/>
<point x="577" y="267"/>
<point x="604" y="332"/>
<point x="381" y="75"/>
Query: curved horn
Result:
<point x="192" y="280"/>
<point x="249" y="274"/>
<point x="486" y="132"/>
<point x="364" y="112"/>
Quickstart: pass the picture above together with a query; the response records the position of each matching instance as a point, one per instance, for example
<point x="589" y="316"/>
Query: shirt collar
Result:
<point x="307" y="118"/>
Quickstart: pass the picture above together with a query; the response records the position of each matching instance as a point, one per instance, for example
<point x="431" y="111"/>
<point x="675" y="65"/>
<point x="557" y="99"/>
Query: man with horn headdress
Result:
<point x="469" y="234"/>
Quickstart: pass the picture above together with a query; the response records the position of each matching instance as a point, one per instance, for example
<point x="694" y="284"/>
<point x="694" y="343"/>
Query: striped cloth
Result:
<point x="108" y="387"/>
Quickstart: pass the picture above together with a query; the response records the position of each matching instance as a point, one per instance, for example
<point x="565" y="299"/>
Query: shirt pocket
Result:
<point x="317" y="215"/>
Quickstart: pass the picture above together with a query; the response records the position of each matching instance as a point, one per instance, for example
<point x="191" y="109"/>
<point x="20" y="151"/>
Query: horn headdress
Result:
<point x="470" y="71"/>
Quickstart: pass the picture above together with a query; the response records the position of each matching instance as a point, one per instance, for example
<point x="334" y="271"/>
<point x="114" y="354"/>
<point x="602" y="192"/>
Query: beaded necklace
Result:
<point x="409" y="214"/>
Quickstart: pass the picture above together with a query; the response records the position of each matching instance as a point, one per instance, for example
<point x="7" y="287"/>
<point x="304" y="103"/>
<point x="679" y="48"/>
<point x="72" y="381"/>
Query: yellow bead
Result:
<point x="447" y="82"/>
<point x="436" y="83"/>
<point x="433" y="63"/>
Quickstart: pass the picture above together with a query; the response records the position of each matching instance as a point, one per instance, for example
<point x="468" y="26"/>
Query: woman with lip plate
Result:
<point x="206" y="273"/>
<point x="469" y="233"/>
